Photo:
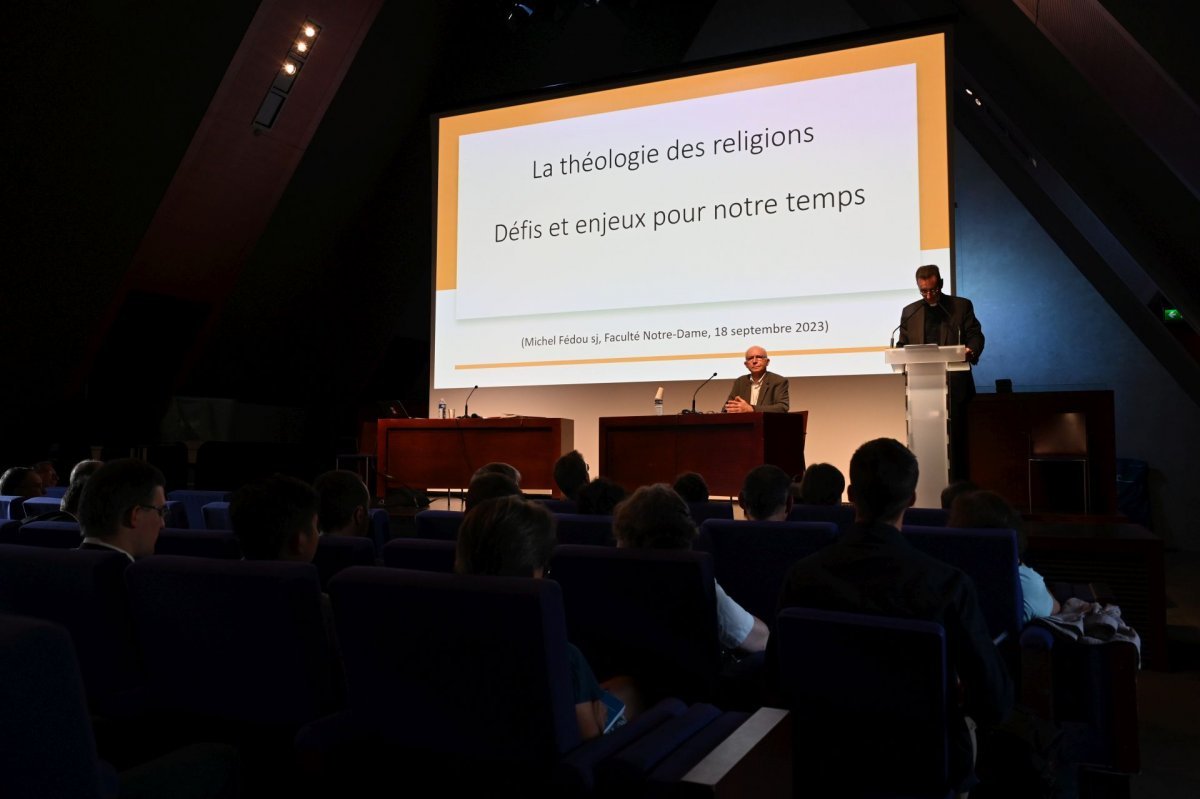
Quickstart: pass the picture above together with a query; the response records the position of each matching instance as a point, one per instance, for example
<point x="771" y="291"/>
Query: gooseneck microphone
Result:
<point x="697" y="391"/>
<point x="467" y="404"/>
<point x="892" y="341"/>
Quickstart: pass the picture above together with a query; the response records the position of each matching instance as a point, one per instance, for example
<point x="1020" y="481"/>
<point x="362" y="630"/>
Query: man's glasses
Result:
<point x="930" y="292"/>
<point x="162" y="512"/>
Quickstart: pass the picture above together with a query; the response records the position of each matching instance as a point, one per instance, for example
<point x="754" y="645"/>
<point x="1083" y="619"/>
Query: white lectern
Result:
<point x="928" y="415"/>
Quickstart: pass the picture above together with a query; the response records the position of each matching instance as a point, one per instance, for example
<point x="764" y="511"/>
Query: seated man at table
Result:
<point x="760" y="390"/>
<point x="766" y="494"/>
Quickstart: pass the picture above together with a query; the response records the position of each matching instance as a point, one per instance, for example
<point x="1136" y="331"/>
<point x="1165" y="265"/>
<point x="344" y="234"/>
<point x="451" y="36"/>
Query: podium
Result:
<point x="640" y="450"/>
<point x="928" y="412"/>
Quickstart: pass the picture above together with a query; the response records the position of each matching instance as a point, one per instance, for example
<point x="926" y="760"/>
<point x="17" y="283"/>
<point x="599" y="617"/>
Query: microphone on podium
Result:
<point x="467" y="404"/>
<point x="697" y="391"/>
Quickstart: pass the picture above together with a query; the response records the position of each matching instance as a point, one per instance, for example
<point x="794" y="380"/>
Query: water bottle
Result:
<point x="658" y="407"/>
<point x="441" y="409"/>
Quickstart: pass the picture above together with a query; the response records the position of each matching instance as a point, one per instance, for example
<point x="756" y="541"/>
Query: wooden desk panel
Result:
<point x="444" y="453"/>
<point x="640" y="450"/>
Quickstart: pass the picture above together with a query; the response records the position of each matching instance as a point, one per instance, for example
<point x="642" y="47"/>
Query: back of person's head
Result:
<point x="986" y="510"/>
<point x="490" y="485"/>
<point x="71" y="497"/>
<point x="883" y="480"/>
<point x="21" y="481"/>
<point x="85" y="469"/>
<point x="499" y="467"/>
<point x="691" y="486"/>
<point x="275" y="518"/>
<point x="952" y="491"/>
<point x="766" y="492"/>
<point x="505" y="537"/>
<point x="47" y="472"/>
<point x="822" y="484"/>
<point x="341" y="494"/>
<point x="110" y="495"/>
<point x="654" y="517"/>
<point x="600" y="497"/>
<point x="571" y="473"/>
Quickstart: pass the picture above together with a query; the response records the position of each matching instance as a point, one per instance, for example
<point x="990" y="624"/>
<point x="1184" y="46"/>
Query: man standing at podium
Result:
<point x="760" y="390"/>
<point x="946" y="320"/>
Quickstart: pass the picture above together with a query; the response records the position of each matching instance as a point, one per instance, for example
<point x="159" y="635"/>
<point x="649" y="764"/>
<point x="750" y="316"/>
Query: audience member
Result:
<point x="950" y="492"/>
<point x="691" y="486"/>
<point x="122" y="508"/>
<point x="47" y="472"/>
<point x="70" y="498"/>
<point x="512" y="537"/>
<point x="571" y="474"/>
<point x="600" y="497"/>
<point x="655" y="517"/>
<point x="766" y="494"/>
<point x="499" y="467"/>
<point x="276" y="519"/>
<point x="989" y="510"/>
<point x="822" y="484"/>
<point x="21" y="481"/>
<point x="345" y="503"/>
<point x="84" y="469"/>
<point x="490" y="485"/>
<point x="871" y="568"/>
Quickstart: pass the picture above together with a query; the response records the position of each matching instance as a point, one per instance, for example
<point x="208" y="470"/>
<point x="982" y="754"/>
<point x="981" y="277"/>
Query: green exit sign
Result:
<point x="1172" y="315"/>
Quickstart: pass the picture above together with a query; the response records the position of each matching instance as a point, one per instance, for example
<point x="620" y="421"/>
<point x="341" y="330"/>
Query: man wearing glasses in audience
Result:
<point x="122" y="508"/>
<point x="946" y="320"/>
<point x="760" y="390"/>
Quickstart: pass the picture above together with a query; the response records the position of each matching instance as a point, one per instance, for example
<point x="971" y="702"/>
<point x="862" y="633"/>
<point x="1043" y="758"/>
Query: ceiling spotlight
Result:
<point x="289" y="68"/>
<point x="978" y="101"/>
<point x="310" y="31"/>
<point x="968" y="91"/>
<point x="301" y="47"/>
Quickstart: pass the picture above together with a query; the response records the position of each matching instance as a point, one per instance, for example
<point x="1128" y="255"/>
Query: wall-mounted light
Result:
<point x="299" y="51"/>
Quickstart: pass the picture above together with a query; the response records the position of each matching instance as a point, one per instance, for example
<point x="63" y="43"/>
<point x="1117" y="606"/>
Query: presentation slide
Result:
<point x="654" y="232"/>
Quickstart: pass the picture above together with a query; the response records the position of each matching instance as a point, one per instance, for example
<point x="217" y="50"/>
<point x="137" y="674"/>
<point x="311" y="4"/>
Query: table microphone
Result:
<point x="697" y="391"/>
<point x="467" y="404"/>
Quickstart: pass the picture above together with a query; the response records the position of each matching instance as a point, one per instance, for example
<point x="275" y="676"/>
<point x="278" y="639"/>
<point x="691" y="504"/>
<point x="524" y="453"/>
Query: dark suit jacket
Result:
<point x="772" y="395"/>
<point x="871" y="568"/>
<point x="959" y="315"/>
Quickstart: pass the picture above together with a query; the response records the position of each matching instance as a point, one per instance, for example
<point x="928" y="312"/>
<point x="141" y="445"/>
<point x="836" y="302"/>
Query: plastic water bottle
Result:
<point x="441" y="409"/>
<point x="658" y="405"/>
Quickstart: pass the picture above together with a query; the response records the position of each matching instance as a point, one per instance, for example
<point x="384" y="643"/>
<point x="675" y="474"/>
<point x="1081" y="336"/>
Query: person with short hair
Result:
<point x="21" y="481"/>
<point x="513" y="537"/>
<point x="84" y="468"/>
<point x="952" y="491"/>
<point x="600" y="497"/>
<point x="988" y="510"/>
<point x="499" y="467"/>
<point x="276" y="519"/>
<point x="871" y="568"/>
<point x="48" y="473"/>
<point x="490" y="485"/>
<point x="766" y="494"/>
<point x="345" y="503"/>
<point x="571" y="474"/>
<point x="761" y="391"/>
<point x="122" y="508"/>
<point x="655" y="517"/>
<point x="822" y="484"/>
<point x="691" y="486"/>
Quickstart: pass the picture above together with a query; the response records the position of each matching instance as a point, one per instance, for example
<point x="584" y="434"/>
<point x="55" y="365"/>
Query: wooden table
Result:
<point x="444" y="453"/>
<point x="639" y="450"/>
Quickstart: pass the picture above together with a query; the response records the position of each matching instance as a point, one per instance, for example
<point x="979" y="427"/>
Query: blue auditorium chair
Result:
<point x="472" y="693"/>
<point x="751" y="559"/>
<point x="216" y="516"/>
<point x="337" y="552"/>
<point x="36" y="506"/>
<point x="421" y="554"/>
<point x="11" y="507"/>
<point x="381" y="529"/>
<point x="868" y="698"/>
<point x="841" y="515"/>
<point x="194" y="501"/>
<point x="989" y="558"/>
<point x="83" y="590"/>
<point x="557" y="505"/>
<point x="440" y="524"/>
<point x="176" y="514"/>
<point x="703" y="511"/>
<point x="60" y="535"/>
<point x="580" y="528"/>
<point x="221" y="544"/>
<point x="649" y="614"/>
<point x="56" y="491"/>
<point x="926" y="517"/>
